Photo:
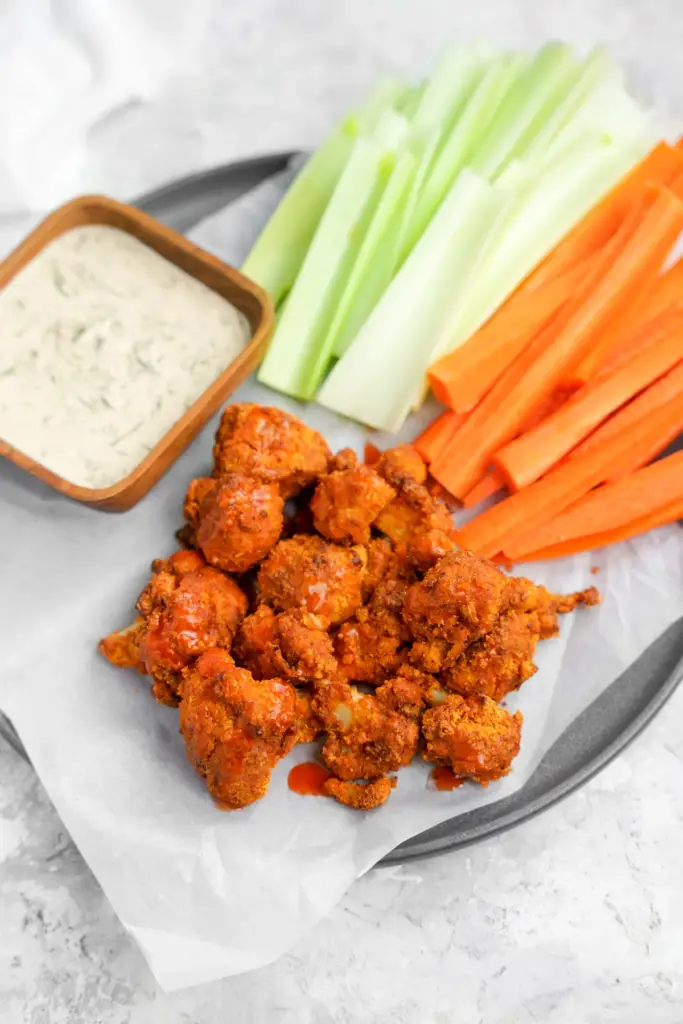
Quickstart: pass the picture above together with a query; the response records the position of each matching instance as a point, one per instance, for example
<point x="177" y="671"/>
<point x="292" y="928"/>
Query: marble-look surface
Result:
<point x="574" y="918"/>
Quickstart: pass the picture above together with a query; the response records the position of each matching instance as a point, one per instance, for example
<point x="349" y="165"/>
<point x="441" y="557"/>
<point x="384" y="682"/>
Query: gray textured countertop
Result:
<point x="577" y="916"/>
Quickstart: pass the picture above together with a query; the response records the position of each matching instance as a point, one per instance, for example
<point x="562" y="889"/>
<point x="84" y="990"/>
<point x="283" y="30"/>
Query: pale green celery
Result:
<point x="513" y="184"/>
<point x="427" y="145"/>
<point x="391" y="130"/>
<point x="320" y="282"/>
<point x="387" y="93"/>
<point x="447" y="93"/>
<point x="607" y="111"/>
<point x="558" y="198"/>
<point x="409" y="103"/>
<point x="463" y="140"/>
<point x="279" y="251"/>
<point x="376" y="262"/>
<point x="530" y="101"/>
<point x="595" y="70"/>
<point x="374" y="382"/>
<point x="446" y="90"/>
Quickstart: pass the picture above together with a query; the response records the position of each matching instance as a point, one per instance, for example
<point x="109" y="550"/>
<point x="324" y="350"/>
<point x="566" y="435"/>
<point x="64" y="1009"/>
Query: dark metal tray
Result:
<point x="596" y="736"/>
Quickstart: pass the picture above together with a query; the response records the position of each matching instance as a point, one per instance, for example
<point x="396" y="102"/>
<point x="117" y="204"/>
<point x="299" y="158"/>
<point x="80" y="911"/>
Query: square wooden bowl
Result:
<point x="244" y="294"/>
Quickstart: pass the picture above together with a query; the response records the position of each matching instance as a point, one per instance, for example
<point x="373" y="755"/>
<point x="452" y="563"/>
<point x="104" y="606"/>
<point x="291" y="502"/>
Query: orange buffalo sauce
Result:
<point x="444" y="779"/>
<point x="308" y="778"/>
<point x="372" y="454"/>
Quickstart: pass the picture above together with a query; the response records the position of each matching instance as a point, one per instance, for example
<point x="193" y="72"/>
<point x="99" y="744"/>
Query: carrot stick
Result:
<point x="476" y="441"/>
<point x="671" y="424"/>
<point x="531" y="455"/>
<point x="666" y="294"/>
<point x="544" y="364"/>
<point x="438" y="435"/>
<point x="461" y="378"/>
<point x="609" y="340"/>
<point x="548" y="405"/>
<point x="641" y="339"/>
<point x="610" y="507"/>
<point x="526" y="510"/>
<point x="491" y="482"/>
<point x="655" y="298"/>
<point x="667" y="514"/>
<point x="663" y="164"/>
<point x="666" y="392"/>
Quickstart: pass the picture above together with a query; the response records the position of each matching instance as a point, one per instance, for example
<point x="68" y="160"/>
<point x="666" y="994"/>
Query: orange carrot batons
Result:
<point x="438" y="435"/>
<point x="463" y="377"/>
<point x="530" y="456"/>
<point x="640" y="496"/>
<point x="519" y="515"/>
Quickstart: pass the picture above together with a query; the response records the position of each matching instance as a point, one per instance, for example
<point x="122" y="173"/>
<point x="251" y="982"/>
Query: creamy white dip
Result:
<point x="104" y="344"/>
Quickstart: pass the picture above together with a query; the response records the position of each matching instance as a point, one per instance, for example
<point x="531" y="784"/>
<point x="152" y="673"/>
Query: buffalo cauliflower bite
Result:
<point x="347" y="501"/>
<point x="187" y="607"/>
<point x="407" y="692"/>
<point x="366" y="737"/>
<point x="308" y="725"/>
<point x="401" y="465"/>
<point x="362" y="796"/>
<point x="458" y="601"/>
<point x="235" y="727"/>
<point x="310" y="573"/>
<point x="428" y="548"/>
<point x="381" y="561"/>
<point x="502" y="659"/>
<point x="197" y="490"/>
<point x="237" y="522"/>
<point x="293" y="644"/>
<point x="414" y="511"/>
<point x="366" y="650"/>
<point x="474" y="736"/>
<point x="527" y="596"/>
<point x="269" y="445"/>
<point x="369" y="646"/>
<point x="122" y="647"/>
<point x="498" y="662"/>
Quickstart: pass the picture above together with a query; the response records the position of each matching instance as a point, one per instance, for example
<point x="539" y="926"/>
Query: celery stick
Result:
<point x="275" y="259"/>
<point x="527" y="106"/>
<point x="408" y="104"/>
<point x="279" y="251"/>
<point x="388" y="92"/>
<point x="428" y="146"/>
<point x="447" y="92"/>
<point x="376" y="262"/>
<point x="292" y="352"/>
<point x="595" y="70"/>
<point x="607" y="111"/>
<point x="374" y="381"/>
<point x="514" y="184"/>
<point x="462" y="141"/>
<point x="449" y="85"/>
<point x="560" y="196"/>
<point x="391" y="130"/>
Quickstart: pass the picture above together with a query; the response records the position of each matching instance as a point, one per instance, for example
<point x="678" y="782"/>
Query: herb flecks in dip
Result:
<point x="104" y="345"/>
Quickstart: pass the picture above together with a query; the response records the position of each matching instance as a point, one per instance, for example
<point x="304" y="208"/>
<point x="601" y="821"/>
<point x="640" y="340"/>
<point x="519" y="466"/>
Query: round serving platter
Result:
<point x="596" y="736"/>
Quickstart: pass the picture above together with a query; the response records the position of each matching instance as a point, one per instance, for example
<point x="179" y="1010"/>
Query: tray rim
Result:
<point x="261" y="167"/>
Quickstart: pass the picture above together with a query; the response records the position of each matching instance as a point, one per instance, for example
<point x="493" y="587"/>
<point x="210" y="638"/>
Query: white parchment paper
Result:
<point x="209" y="894"/>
